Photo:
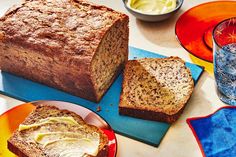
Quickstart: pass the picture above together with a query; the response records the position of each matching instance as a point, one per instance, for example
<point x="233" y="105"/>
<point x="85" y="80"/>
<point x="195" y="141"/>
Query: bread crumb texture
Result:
<point x="159" y="85"/>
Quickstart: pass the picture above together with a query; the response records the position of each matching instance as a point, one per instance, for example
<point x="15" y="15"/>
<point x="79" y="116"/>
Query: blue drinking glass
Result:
<point x="224" y="49"/>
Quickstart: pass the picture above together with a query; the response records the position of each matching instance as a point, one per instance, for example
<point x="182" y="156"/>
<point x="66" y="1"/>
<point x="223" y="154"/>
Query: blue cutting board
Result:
<point x="149" y="132"/>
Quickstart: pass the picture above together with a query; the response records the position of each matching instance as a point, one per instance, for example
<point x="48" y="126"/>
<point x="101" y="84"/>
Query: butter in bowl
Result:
<point x="153" y="10"/>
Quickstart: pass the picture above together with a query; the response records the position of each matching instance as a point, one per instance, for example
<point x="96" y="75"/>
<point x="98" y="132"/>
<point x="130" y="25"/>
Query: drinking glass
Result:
<point x="224" y="49"/>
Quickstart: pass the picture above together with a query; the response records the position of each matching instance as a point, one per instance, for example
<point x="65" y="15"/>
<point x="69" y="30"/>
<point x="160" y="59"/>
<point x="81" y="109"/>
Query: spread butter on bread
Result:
<point x="51" y="132"/>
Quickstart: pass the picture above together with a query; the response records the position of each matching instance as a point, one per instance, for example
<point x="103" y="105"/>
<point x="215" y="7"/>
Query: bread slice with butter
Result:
<point x="156" y="89"/>
<point x="51" y="132"/>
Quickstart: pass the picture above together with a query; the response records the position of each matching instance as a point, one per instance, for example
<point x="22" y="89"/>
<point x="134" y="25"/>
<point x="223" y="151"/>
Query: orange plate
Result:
<point x="10" y="120"/>
<point x="194" y="28"/>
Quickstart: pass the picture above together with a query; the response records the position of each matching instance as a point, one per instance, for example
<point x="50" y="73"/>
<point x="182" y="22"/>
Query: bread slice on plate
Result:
<point x="156" y="89"/>
<point x="50" y="132"/>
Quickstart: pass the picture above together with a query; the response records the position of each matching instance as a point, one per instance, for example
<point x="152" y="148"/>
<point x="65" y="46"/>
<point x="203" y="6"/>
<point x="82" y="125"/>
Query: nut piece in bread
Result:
<point x="71" y="45"/>
<point x="50" y="132"/>
<point x="156" y="89"/>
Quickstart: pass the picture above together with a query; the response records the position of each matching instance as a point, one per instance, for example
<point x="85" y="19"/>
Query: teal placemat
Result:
<point x="149" y="132"/>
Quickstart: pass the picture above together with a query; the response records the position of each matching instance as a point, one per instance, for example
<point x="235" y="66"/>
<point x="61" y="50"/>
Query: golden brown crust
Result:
<point x="59" y="28"/>
<point x="37" y="67"/>
<point x="150" y="115"/>
<point x="66" y="34"/>
<point x="24" y="149"/>
<point x="15" y="150"/>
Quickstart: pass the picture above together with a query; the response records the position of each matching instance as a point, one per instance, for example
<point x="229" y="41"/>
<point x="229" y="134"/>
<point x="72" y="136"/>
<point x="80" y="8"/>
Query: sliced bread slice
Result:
<point x="50" y="132"/>
<point x="156" y="89"/>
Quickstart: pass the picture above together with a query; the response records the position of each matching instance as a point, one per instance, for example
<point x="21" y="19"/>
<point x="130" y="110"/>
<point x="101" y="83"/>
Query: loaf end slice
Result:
<point x="22" y="144"/>
<point x="156" y="89"/>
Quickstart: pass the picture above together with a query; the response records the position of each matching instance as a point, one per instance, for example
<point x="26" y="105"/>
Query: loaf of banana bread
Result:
<point x="71" y="45"/>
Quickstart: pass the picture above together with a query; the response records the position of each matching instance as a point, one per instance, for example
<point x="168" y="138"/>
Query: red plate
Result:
<point x="10" y="120"/>
<point x="194" y="28"/>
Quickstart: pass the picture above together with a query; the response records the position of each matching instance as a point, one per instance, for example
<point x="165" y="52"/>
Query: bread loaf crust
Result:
<point x="65" y="35"/>
<point x="52" y="74"/>
<point x="150" y="115"/>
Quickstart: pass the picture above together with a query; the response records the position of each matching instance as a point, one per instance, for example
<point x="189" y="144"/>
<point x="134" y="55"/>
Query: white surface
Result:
<point x="157" y="37"/>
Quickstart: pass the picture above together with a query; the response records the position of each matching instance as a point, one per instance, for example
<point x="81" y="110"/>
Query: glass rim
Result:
<point x="213" y="33"/>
